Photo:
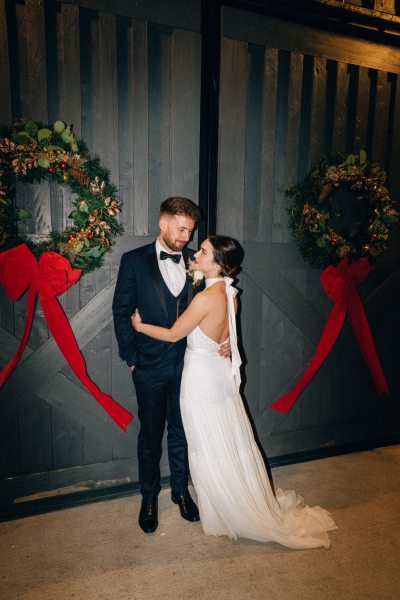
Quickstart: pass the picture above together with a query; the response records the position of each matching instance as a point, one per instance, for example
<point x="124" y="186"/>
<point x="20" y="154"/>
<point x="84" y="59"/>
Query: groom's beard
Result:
<point x="174" y="245"/>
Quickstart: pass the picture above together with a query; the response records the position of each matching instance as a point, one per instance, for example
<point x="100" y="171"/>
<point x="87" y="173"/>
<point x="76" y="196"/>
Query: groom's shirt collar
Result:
<point x="174" y="275"/>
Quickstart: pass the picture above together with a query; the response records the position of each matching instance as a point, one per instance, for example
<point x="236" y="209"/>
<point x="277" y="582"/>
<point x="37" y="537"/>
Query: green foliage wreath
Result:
<point x="341" y="208"/>
<point x="33" y="152"/>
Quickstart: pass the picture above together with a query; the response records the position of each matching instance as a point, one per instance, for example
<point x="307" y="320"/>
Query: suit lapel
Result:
<point x="157" y="278"/>
<point x="187" y="254"/>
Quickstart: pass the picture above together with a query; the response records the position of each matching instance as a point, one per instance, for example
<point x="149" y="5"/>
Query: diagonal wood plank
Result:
<point x="261" y="265"/>
<point x="30" y="376"/>
<point x="68" y="397"/>
<point x="65" y="395"/>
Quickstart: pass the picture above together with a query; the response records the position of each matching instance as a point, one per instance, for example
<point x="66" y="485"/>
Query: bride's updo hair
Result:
<point x="228" y="253"/>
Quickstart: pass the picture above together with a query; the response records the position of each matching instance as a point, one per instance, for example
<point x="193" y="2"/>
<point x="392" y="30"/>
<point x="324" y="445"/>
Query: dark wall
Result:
<point x="128" y="76"/>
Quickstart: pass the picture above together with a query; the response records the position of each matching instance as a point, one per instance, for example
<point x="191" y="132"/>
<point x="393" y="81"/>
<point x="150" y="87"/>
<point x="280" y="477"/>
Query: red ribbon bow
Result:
<point x="50" y="277"/>
<point x="340" y="285"/>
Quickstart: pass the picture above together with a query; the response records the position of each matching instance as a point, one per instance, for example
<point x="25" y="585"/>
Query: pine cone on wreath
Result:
<point x="79" y="176"/>
<point x="326" y="190"/>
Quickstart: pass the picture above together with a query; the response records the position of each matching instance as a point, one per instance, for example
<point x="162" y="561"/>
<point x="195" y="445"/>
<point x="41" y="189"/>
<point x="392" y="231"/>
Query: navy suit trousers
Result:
<point x="157" y="391"/>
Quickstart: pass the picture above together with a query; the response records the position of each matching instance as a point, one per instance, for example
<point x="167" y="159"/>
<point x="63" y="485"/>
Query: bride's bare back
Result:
<point x="215" y="323"/>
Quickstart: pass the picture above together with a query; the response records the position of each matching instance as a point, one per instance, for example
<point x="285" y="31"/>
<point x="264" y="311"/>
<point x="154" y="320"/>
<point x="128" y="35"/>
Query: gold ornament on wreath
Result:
<point x="342" y="208"/>
<point x="31" y="152"/>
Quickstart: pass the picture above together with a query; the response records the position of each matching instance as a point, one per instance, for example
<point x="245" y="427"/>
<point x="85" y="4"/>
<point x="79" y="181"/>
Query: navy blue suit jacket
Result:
<point x="140" y="285"/>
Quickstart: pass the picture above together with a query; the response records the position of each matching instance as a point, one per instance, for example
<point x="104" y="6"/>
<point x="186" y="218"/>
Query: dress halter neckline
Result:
<point x="213" y="280"/>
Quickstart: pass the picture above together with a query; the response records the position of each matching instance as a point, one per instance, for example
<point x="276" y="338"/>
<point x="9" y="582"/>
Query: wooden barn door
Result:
<point x="130" y="84"/>
<point x="290" y="94"/>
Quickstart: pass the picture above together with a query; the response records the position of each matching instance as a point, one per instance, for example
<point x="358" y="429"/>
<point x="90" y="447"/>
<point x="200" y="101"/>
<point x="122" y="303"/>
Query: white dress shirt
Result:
<point x="174" y="274"/>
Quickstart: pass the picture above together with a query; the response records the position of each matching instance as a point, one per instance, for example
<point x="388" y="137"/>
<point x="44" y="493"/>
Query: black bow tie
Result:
<point x="175" y="257"/>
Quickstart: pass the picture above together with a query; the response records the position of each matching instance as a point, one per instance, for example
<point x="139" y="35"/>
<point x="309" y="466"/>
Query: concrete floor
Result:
<point x="97" y="551"/>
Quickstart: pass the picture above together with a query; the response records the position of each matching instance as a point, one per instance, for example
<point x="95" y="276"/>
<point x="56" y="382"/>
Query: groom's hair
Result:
<point x="180" y="206"/>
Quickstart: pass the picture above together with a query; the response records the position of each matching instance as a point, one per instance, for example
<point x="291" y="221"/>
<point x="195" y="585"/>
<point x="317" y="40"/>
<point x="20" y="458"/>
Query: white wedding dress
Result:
<point x="234" y="493"/>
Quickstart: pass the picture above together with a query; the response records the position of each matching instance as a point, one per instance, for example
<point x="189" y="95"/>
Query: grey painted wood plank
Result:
<point x="6" y="312"/>
<point x="185" y="114"/>
<point x="87" y="288"/>
<point x="279" y="216"/>
<point x="108" y="102"/>
<point x="276" y="33"/>
<point x="293" y="134"/>
<point x="9" y="445"/>
<point x="125" y="57"/>
<point x="36" y="60"/>
<point x="140" y="130"/>
<point x="69" y="67"/>
<point x="34" y="428"/>
<point x="340" y="112"/>
<point x="39" y="332"/>
<point x="159" y="121"/>
<point x="317" y="125"/>
<point x="231" y="154"/>
<point x="184" y="14"/>
<point x="268" y="144"/>
<point x="381" y="119"/>
<point x="254" y="133"/>
<point x="67" y="439"/>
<point x="21" y="48"/>
<point x="5" y="104"/>
<point x="8" y="347"/>
<point x="363" y="94"/>
<point x="35" y="198"/>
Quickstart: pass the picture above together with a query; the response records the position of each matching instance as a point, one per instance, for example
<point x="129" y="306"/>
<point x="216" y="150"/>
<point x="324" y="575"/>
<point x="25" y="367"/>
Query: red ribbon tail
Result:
<point x="10" y="366"/>
<point x="64" y="336"/>
<point x="365" y="341"/>
<point x="329" y="336"/>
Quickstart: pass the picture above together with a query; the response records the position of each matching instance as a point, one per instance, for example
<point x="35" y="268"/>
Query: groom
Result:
<point x="153" y="279"/>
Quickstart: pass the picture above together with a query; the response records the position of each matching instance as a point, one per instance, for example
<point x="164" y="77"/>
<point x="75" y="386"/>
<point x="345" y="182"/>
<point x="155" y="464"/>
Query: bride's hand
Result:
<point x="225" y="349"/>
<point x="136" y="320"/>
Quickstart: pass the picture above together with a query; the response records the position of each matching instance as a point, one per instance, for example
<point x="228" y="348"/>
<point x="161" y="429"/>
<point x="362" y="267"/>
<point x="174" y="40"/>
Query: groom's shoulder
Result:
<point x="138" y="253"/>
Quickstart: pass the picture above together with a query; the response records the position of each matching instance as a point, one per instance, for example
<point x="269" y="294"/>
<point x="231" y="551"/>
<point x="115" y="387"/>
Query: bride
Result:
<point x="233" y="490"/>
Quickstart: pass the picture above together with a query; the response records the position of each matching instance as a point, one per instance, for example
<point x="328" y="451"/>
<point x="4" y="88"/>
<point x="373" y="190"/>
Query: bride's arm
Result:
<point x="193" y="315"/>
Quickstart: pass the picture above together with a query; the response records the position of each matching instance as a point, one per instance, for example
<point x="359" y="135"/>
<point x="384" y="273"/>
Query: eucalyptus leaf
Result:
<point x="321" y="242"/>
<point x="43" y="162"/>
<point x="44" y="135"/>
<point x="363" y="157"/>
<point x="31" y="128"/>
<point x="83" y="206"/>
<point x="350" y="160"/>
<point x="59" y="127"/>
<point x="21" y="137"/>
<point x="81" y="217"/>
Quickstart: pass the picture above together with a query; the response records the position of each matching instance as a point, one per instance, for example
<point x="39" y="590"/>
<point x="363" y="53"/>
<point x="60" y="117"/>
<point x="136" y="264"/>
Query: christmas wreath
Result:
<point x="341" y="209"/>
<point x="33" y="152"/>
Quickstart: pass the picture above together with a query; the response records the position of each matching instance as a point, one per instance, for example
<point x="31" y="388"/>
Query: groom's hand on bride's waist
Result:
<point x="225" y="349"/>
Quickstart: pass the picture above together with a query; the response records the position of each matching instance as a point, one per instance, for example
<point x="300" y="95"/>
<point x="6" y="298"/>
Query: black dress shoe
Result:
<point x="189" y="510"/>
<point x="148" y="516"/>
